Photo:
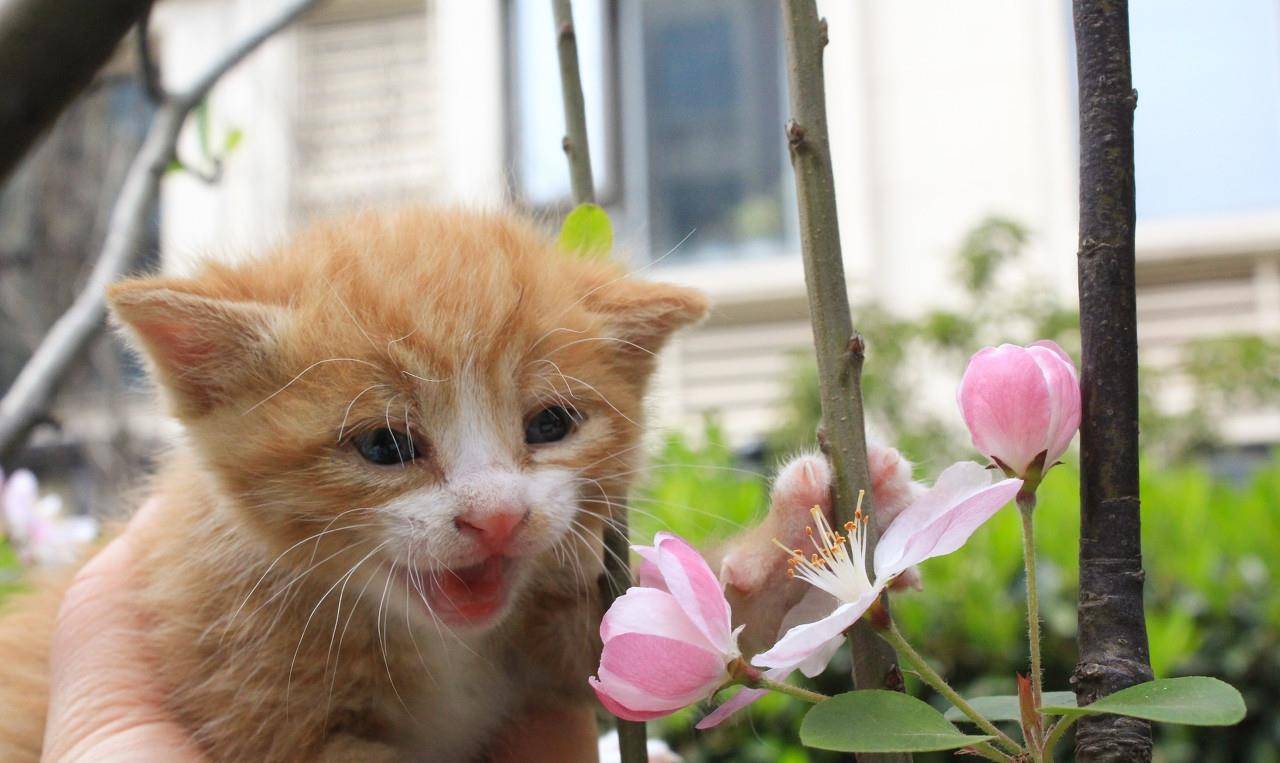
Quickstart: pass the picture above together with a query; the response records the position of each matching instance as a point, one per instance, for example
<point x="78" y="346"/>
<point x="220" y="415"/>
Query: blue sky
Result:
<point x="1208" y="118"/>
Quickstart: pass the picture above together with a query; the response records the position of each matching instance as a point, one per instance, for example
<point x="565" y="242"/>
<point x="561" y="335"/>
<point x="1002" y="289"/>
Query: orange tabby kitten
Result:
<point x="403" y="435"/>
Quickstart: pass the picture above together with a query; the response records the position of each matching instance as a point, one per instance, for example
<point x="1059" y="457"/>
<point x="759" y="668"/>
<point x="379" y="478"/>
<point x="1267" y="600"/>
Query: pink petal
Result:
<point x="649" y="576"/>
<point x="919" y="535"/>
<point x="1064" y="397"/>
<point x="619" y="710"/>
<point x="651" y="612"/>
<point x="815" y="605"/>
<point x="21" y="495"/>
<point x="804" y="641"/>
<point x="730" y="706"/>
<point x="646" y="673"/>
<point x="740" y="700"/>
<point x="697" y="588"/>
<point x="1005" y="402"/>
<point x="956" y="483"/>
<point x="817" y="662"/>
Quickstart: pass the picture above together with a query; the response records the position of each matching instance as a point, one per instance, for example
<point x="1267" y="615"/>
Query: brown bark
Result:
<point x="1112" y="627"/>
<point x="839" y="347"/>
<point x="49" y="52"/>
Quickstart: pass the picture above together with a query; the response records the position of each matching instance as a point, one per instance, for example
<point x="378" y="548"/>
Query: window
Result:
<point x="713" y="125"/>
<point x="698" y="88"/>
<point x="365" y="126"/>
<point x="1207" y="127"/>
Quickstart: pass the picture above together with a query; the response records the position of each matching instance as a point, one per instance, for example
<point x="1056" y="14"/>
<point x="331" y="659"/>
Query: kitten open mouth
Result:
<point x="467" y="595"/>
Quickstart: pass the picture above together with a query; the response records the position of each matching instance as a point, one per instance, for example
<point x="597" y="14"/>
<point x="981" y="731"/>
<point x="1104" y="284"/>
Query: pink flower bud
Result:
<point x="1020" y="403"/>
<point x="669" y="645"/>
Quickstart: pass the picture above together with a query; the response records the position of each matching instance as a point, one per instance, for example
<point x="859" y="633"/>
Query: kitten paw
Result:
<point x="803" y="483"/>
<point x="892" y="488"/>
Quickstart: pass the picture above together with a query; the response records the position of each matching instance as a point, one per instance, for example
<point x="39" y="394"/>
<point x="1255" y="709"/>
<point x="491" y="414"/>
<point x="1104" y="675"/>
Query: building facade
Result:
<point x="941" y="115"/>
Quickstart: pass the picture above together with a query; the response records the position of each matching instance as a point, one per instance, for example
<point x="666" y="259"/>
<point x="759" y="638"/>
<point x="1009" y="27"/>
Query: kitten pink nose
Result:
<point x="492" y="529"/>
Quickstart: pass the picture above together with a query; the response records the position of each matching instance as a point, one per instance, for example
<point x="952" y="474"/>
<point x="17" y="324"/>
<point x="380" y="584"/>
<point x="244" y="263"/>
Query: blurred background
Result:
<point x="954" y="140"/>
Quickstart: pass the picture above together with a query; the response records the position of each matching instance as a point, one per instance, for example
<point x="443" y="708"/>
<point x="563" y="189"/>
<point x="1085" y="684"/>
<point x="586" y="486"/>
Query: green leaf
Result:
<point x="587" y="232"/>
<point x="175" y="165"/>
<point x="1005" y="708"/>
<point x="1192" y="700"/>
<point x="880" y="721"/>
<point x="234" y="136"/>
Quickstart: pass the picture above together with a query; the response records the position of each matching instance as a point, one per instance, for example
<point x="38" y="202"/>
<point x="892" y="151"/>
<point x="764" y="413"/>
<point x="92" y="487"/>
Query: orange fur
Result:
<point x="282" y="630"/>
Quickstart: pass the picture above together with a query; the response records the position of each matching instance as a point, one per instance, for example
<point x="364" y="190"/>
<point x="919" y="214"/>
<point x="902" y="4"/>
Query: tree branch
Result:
<point x="34" y="389"/>
<point x="1112" y="627"/>
<point x="575" y="115"/>
<point x="632" y="745"/>
<point x="148" y="72"/>
<point x="49" y="52"/>
<point x="839" y="348"/>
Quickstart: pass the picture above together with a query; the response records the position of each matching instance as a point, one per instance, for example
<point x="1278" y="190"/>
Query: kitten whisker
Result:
<point x="307" y="624"/>
<point x="380" y="625"/>
<point x="345" y="415"/>
<point x="302" y="373"/>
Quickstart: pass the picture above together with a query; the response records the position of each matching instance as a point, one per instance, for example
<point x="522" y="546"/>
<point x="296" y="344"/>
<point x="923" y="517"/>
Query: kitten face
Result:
<point x="430" y="407"/>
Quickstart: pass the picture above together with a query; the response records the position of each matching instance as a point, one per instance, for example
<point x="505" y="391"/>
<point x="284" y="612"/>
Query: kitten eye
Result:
<point x="550" y="425"/>
<point x="385" y="447"/>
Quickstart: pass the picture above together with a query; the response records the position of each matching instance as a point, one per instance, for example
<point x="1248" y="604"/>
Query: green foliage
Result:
<point x="10" y="570"/>
<point x="698" y="492"/>
<point x="993" y="243"/>
<point x="1213" y="603"/>
<point x="1191" y="701"/>
<point x="880" y="721"/>
<point x="587" y="232"/>
<point x="905" y="356"/>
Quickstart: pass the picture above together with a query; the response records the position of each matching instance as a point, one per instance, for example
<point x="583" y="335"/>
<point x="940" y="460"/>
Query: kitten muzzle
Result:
<point x="472" y="595"/>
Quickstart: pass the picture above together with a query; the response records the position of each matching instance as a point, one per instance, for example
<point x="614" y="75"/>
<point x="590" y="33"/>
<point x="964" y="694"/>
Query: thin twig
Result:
<point x="839" y="348"/>
<point x="632" y="745"/>
<point x="148" y="72"/>
<point x="32" y="392"/>
<point x="930" y="676"/>
<point x="575" y="113"/>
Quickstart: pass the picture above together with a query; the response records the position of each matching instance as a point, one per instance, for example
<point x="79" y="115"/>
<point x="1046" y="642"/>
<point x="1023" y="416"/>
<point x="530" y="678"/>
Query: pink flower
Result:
<point x="666" y="646"/>
<point x="1019" y="403"/>
<point x="936" y="523"/>
<point x="37" y="526"/>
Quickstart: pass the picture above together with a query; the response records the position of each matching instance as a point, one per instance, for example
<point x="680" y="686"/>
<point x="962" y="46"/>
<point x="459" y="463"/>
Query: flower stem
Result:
<point x="1056" y="733"/>
<point x="785" y="688"/>
<point x="931" y="677"/>
<point x="985" y="750"/>
<point x="1026" y="508"/>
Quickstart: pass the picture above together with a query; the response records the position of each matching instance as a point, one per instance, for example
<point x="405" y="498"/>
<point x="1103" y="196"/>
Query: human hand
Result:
<point x="104" y="706"/>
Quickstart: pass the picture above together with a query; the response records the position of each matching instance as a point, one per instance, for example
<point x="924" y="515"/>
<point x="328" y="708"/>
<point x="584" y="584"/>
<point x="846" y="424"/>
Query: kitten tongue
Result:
<point x="470" y="593"/>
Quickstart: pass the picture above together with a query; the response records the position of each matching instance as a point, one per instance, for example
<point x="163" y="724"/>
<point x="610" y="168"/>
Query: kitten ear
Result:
<point x="645" y="314"/>
<point x="202" y="348"/>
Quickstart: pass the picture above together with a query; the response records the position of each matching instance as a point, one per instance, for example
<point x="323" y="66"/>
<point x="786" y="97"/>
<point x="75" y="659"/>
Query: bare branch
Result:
<point x="575" y="117"/>
<point x="147" y="70"/>
<point x="195" y="93"/>
<point x="34" y="389"/>
<point x="632" y="747"/>
<point x="49" y="52"/>
<point x="839" y="347"/>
